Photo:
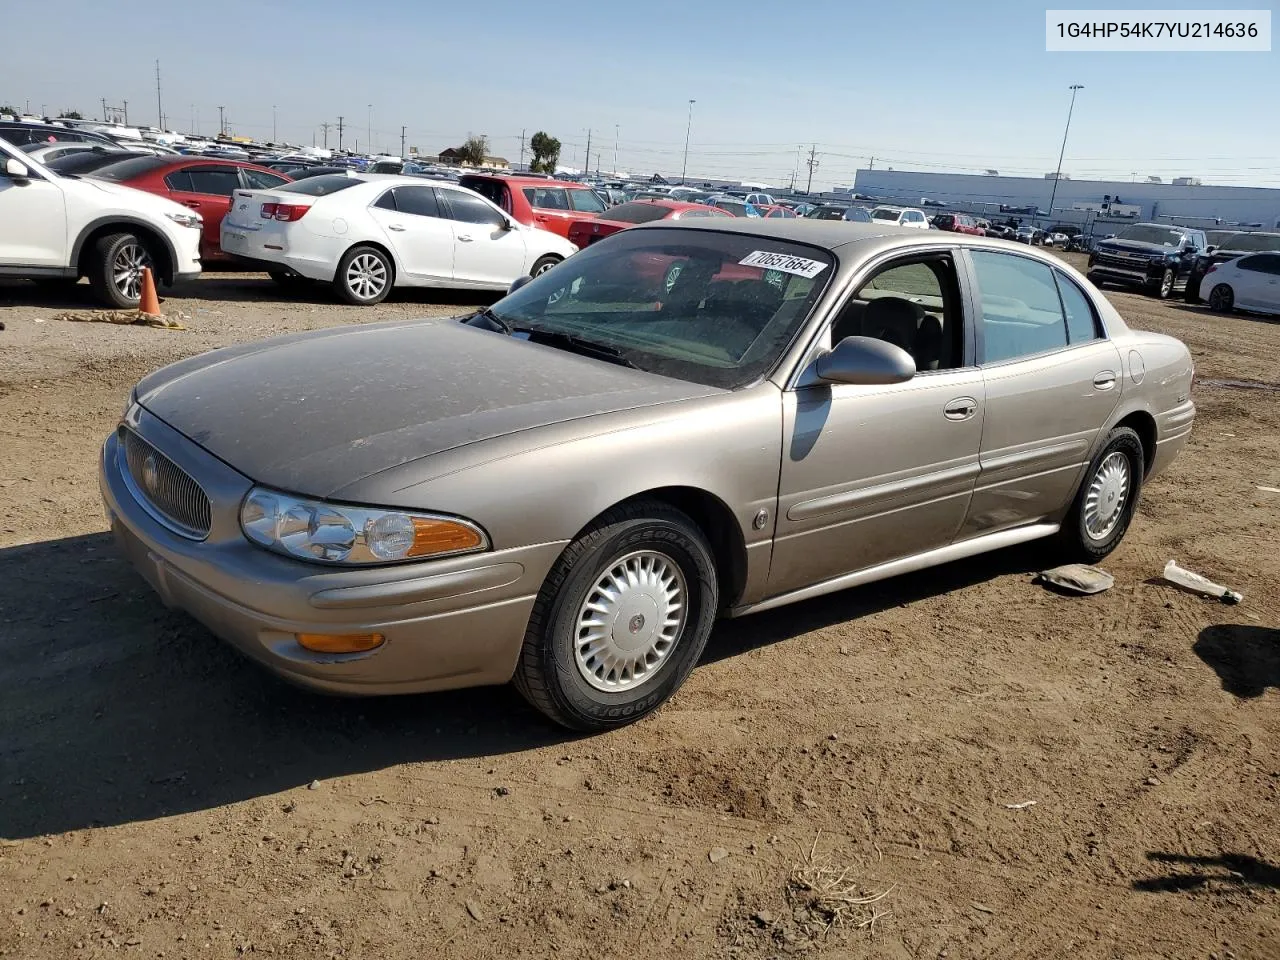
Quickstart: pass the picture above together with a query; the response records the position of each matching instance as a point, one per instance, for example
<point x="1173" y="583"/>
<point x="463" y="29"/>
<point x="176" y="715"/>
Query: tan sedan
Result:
<point x="681" y="422"/>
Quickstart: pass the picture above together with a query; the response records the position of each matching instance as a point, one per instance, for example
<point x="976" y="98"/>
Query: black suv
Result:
<point x="1232" y="246"/>
<point x="21" y="133"/>
<point x="1157" y="257"/>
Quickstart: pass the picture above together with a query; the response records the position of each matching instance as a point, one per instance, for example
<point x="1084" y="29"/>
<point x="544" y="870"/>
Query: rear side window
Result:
<point x="179" y="180"/>
<point x="547" y="198"/>
<point x="258" y="180"/>
<point x="1021" y="310"/>
<point x="1082" y="322"/>
<point x="585" y="201"/>
<point x="219" y="182"/>
<point x="320" y="186"/>
<point x="419" y="201"/>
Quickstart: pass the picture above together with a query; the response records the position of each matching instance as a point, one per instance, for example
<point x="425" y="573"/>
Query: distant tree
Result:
<point x="474" y="150"/>
<point x="71" y="115"/>
<point x="546" y="153"/>
<point x="11" y="110"/>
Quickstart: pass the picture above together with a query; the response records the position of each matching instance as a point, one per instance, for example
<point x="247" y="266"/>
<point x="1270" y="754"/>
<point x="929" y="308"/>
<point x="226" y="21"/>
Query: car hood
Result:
<point x="315" y="412"/>
<point x="129" y="195"/>
<point x="1136" y="246"/>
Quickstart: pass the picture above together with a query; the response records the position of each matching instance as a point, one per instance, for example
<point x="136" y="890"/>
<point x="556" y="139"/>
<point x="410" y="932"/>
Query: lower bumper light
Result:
<point x="340" y="643"/>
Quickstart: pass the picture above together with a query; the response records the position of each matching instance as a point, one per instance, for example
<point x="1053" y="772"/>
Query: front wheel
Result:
<point x="1222" y="299"/>
<point x="364" y="276"/>
<point x="621" y="620"/>
<point x="1165" y="289"/>
<point x="115" y="270"/>
<point x="543" y="264"/>
<point x="1107" y="499"/>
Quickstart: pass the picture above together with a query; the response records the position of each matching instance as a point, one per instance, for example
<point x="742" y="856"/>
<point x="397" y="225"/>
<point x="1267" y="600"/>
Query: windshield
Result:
<point x="885" y="213"/>
<point x="637" y="212"/>
<point x="713" y="308"/>
<point x="1253" y="242"/>
<point x="320" y="186"/>
<point x="1143" y="233"/>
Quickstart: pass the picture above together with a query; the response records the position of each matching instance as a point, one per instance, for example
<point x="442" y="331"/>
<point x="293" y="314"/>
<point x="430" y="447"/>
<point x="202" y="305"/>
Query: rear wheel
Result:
<point x="115" y="269"/>
<point x="1107" y="498"/>
<point x="621" y="620"/>
<point x="364" y="277"/>
<point x="1222" y="298"/>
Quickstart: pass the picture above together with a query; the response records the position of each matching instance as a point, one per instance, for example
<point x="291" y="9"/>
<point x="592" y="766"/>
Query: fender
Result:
<point x="125" y="220"/>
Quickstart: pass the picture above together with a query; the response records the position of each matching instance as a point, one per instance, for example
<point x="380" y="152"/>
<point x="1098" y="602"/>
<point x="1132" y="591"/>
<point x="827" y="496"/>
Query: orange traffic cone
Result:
<point x="150" y="304"/>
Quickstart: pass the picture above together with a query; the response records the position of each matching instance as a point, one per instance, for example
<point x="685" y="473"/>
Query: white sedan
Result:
<point x="902" y="216"/>
<point x="1247" y="283"/>
<point x="365" y="234"/>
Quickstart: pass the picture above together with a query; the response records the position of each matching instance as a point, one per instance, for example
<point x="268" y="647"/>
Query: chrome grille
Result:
<point x="171" y="495"/>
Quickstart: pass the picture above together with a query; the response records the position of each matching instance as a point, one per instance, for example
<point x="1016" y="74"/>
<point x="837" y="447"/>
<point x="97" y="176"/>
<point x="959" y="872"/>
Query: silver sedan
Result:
<point x="681" y="422"/>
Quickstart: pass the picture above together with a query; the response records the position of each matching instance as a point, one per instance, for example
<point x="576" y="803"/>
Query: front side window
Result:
<point x="465" y="208"/>
<point x="1254" y="264"/>
<point x="585" y="201"/>
<point x="1021" y="310"/>
<point x="712" y="308"/>
<point x="885" y="215"/>
<point x="915" y="306"/>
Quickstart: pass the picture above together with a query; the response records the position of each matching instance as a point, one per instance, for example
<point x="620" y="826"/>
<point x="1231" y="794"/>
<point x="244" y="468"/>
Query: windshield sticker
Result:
<point x="800" y="266"/>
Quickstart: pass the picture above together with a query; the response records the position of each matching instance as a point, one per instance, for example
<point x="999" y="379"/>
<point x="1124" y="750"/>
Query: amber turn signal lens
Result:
<point x="340" y="643"/>
<point x="442" y="536"/>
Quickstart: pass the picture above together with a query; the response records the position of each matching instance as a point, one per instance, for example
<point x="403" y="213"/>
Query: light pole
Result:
<point x="615" y="149"/>
<point x="368" y="123"/>
<point x="1058" y="175"/>
<point x="684" y="167"/>
<point x="274" y="138"/>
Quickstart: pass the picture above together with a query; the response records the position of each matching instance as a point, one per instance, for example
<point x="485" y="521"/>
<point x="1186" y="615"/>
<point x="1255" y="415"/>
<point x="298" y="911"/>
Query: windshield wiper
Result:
<point x="577" y="344"/>
<point x="501" y="325"/>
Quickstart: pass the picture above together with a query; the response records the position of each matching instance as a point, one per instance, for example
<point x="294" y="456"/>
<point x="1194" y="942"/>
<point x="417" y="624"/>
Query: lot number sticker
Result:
<point x="800" y="266"/>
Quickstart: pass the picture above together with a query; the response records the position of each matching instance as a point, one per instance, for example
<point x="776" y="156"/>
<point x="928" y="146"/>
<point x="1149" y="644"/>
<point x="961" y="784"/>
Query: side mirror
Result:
<point x="518" y="282"/>
<point x="16" y="170"/>
<point x="507" y="225"/>
<point x="1209" y="249"/>
<point x="867" y="361"/>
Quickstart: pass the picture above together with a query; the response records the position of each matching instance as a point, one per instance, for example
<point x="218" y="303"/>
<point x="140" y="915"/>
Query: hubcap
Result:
<point x="366" y="276"/>
<point x="126" y="270"/>
<point x="543" y="269"/>
<point x="1220" y="297"/>
<point x="630" y="622"/>
<point x="1108" y="492"/>
<point x="1166" y="284"/>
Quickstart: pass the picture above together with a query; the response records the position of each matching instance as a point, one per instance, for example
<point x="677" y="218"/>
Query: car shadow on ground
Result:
<point x="1203" y="310"/>
<point x="116" y="710"/>
<point x="1246" y="659"/>
<point x="1223" y="872"/>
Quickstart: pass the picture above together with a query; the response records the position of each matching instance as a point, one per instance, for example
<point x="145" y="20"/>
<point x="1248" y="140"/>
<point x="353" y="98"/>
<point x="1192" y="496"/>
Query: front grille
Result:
<point x="168" y="491"/>
<point x="1121" y="260"/>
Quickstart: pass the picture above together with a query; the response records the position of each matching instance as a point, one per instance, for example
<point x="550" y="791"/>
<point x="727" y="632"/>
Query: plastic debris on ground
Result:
<point x="1077" y="578"/>
<point x="125" y="317"/>
<point x="1198" y="584"/>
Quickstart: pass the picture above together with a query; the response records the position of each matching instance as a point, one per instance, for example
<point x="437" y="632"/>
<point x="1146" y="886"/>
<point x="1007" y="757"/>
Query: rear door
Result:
<point x="486" y="253"/>
<point x="1052" y="380"/>
<point x="420" y="234"/>
<point x="206" y="189"/>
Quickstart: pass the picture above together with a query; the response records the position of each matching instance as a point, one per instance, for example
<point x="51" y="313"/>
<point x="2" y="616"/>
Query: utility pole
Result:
<point x="812" y="163"/>
<point x="368" y="123"/>
<point x="684" y="167"/>
<point x="872" y="166"/>
<point x="274" y="138"/>
<point x="1058" y="175"/>
<point x="104" y="109"/>
<point x="402" y="129"/>
<point x="521" y="163"/>
<point x="586" y="167"/>
<point x="222" y="123"/>
<point x="340" y="133"/>
<point x="615" y="149"/>
<point x="126" y="113"/>
<point x="159" y="103"/>
<point x="325" y="127"/>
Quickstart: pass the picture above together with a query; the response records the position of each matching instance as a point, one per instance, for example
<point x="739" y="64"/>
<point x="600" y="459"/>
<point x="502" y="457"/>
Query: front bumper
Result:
<point x="456" y="622"/>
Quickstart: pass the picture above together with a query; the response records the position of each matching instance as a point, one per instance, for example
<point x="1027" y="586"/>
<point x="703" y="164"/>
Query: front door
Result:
<point x="1052" y="381"/>
<point x="418" y="231"/>
<point x="874" y="473"/>
<point x="206" y="189"/>
<point x="486" y="252"/>
<point x="33" y="221"/>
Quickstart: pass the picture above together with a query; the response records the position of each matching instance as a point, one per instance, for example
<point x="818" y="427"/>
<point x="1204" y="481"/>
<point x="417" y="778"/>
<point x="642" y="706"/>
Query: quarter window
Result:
<point x="258" y="180"/>
<point x="1021" y="310"/>
<point x="1082" y="322"/>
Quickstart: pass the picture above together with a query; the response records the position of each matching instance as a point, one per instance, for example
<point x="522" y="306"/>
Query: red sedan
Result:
<point x="586" y="232"/>
<point x="550" y="204"/>
<point x="203" y="184"/>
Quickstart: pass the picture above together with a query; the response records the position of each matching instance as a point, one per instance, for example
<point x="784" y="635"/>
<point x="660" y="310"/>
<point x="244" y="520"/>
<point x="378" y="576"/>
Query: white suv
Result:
<point x="902" y="216"/>
<point x="59" y="229"/>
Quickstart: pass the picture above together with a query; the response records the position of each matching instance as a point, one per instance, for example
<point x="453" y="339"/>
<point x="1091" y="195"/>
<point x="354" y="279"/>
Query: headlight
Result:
<point x="186" y="219"/>
<point x="340" y="534"/>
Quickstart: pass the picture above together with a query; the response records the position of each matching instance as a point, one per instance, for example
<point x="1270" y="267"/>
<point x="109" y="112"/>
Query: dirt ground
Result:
<point x="957" y="763"/>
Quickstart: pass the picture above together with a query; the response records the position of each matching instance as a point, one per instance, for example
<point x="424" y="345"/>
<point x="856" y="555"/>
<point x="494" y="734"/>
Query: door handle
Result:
<point x="193" y="204"/>
<point x="962" y="408"/>
<point x="396" y="227"/>
<point x="1105" y="380"/>
<point x="464" y="239"/>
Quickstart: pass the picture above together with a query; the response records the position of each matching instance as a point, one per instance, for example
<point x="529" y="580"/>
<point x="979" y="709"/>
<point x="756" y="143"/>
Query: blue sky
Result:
<point x="918" y="84"/>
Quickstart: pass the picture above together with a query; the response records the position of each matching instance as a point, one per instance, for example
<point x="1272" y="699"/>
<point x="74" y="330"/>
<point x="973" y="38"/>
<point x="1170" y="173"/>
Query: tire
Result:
<point x="557" y="657"/>
<point x="1094" y="527"/>
<point x="1165" y="290"/>
<point x="115" y="269"/>
<point x="365" y="276"/>
<point x="543" y="264"/>
<point x="1222" y="299"/>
